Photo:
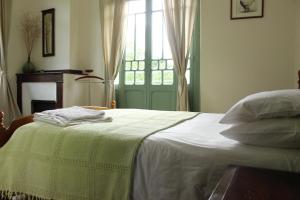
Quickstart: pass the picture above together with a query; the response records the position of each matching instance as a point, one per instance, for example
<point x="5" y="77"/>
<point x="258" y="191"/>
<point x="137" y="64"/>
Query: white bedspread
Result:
<point x="185" y="162"/>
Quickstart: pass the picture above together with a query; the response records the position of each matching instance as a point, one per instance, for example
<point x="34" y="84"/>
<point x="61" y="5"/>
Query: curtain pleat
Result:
<point x="113" y="22"/>
<point x="7" y="100"/>
<point x="179" y="18"/>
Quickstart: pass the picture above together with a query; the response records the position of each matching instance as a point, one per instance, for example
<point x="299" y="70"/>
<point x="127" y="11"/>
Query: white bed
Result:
<point x="185" y="162"/>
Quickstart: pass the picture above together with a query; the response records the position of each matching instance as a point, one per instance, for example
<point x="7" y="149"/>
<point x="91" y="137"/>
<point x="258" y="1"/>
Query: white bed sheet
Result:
<point x="185" y="162"/>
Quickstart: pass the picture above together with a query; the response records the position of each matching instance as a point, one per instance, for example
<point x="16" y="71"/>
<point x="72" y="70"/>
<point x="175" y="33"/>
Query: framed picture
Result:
<point x="48" y="32"/>
<point x="241" y="9"/>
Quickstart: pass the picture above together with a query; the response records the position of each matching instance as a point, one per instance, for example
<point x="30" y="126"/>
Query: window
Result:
<point x="135" y="44"/>
<point x="160" y="59"/>
<point x="147" y="76"/>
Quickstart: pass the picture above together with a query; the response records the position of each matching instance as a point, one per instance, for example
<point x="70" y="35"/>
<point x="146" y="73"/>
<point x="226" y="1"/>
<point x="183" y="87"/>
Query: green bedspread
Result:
<point x="90" y="161"/>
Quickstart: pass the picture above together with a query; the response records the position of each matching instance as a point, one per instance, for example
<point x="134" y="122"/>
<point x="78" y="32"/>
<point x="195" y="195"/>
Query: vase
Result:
<point x="28" y="67"/>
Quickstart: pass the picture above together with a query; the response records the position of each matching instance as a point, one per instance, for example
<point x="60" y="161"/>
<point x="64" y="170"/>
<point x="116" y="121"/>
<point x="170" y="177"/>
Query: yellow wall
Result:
<point x="17" y="55"/>
<point x="85" y="48"/>
<point x="240" y="57"/>
<point x="297" y="43"/>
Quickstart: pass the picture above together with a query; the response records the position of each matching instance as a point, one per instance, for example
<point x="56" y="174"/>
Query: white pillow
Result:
<point x="264" y="105"/>
<point x="282" y="133"/>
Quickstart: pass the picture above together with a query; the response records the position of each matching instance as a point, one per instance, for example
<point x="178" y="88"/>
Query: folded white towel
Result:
<point x="71" y="116"/>
<point x="75" y="113"/>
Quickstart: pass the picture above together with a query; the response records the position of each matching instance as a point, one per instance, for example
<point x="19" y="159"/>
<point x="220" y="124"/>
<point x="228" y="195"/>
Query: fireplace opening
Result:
<point x="42" y="105"/>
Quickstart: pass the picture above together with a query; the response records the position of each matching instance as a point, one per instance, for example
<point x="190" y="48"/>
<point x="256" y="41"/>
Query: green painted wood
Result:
<point x="194" y="87"/>
<point x="148" y="50"/>
<point x="159" y="97"/>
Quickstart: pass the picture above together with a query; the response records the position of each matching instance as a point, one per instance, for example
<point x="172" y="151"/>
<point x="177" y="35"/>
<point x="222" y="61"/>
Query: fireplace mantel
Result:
<point x="55" y="82"/>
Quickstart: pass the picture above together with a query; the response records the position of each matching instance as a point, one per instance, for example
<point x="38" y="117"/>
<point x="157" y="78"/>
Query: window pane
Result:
<point x="154" y="64"/>
<point x="117" y="80"/>
<point x="188" y="76"/>
<point x="130" y="39"/>
<point x="156" y="77"/>
<point x="136" y="7"/>
<point x="170" y="64"/>
<point x="157" y="5"/>
<point x="167" y="49"/>
<point x="188" y="72"/>
<point x="129" y="78"/>
<point x="157" y="35"/>
<point x="134" y="65"/>
<point x="168" y="77"/>
<point x="141" y="65"/>
<point x="139" y="78"/>
<point x="162" y="64"/>
<point x="128" y="66"/>
<point x="140" y="37"/>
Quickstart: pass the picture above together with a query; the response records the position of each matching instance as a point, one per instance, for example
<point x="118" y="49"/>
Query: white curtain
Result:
<point x="179" y="18"/>
<point x="7" y="101"/>
<point x="113" y="22"/>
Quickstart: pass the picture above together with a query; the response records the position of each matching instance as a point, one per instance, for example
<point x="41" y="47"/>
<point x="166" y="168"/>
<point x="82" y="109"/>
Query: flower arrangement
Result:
<point x="31" y="30"/>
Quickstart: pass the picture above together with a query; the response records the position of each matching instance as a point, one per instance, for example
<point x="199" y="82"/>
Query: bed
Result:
<point x="186" y="160"/>
<point x="185" y="163"/>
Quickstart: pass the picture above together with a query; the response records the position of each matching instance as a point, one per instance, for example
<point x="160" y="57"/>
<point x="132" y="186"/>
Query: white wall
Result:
<point x="240" y="57"/>
<point x="77" y="37"/>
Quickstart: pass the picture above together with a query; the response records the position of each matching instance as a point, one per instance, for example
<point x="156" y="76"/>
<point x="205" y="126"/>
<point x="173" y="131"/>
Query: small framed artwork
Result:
<point x="48" y="32"/>
<point x="242" y="9"/>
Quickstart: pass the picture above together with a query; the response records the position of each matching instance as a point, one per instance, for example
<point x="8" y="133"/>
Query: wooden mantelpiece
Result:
<point x="54" y="76"/>
<point x="41" y="77"/>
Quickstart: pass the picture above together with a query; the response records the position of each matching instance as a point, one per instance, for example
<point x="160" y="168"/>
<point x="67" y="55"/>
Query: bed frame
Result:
<point x="6" y="133"/>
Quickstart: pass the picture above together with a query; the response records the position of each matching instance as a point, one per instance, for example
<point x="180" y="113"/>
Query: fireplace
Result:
<point x="41" y="105"/>
<point x="55" y="89"/>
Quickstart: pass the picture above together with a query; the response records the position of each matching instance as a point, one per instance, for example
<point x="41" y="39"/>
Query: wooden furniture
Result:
<point x="48" y="32"/>
<point x="56" y="76"/>
<point x="53" y="89"/>
<point x="6" y="133"/>
<point x="247" y="183"/>
<point x="299" y="79"/>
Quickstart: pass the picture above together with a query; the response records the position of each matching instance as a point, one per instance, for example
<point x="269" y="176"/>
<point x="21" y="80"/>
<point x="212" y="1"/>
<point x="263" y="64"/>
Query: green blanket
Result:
<point x="90" y="161"/>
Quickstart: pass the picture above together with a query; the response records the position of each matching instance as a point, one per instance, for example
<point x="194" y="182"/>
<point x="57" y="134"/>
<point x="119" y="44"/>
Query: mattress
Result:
<point x="185" y="162"/>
